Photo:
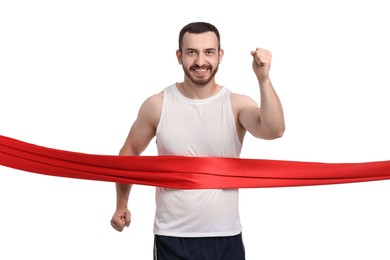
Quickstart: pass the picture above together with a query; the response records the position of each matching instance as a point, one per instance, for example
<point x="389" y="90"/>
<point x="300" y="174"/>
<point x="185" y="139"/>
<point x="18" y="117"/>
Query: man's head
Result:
<point x="197" y="28"/>
<point x="199" y="52"/>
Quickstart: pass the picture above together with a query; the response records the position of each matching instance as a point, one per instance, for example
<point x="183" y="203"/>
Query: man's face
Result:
<point x="200" y="57"/>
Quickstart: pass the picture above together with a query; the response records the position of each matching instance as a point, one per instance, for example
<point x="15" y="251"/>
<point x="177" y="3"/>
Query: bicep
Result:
<point x="248" y="115"/>
<point x="249" y="118"/>
<point x="137" y="140"/>
<point x="144" y="127"/>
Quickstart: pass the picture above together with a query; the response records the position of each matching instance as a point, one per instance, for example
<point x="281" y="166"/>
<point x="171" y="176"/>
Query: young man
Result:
<point x="198" y="117"/>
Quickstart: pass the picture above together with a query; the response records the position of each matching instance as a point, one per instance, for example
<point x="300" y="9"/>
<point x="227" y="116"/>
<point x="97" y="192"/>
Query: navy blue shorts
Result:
<point x="203" y="248"/>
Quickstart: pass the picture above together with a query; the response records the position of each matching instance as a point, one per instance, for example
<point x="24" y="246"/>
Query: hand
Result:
<point x="121" y="219"/>
<point x="261" y="63"/>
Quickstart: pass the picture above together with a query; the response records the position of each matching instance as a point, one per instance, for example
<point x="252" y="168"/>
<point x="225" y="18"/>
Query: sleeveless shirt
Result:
<point x="197" y="127"/>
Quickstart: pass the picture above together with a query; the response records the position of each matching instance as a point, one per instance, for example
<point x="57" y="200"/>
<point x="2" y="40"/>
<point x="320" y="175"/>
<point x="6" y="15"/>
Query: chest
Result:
<point x="197" y="129"/>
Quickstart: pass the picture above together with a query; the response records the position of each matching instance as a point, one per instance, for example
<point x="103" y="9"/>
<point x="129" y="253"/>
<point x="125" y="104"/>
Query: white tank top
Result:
<point x="197" y="127"/>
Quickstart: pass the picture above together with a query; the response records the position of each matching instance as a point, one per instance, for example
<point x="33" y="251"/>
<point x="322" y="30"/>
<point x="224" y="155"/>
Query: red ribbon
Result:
<point x="185" y="172"/>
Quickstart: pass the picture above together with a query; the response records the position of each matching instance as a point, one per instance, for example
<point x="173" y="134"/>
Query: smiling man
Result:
<point x="199" y="65"/>
<point x="198" y="117"/>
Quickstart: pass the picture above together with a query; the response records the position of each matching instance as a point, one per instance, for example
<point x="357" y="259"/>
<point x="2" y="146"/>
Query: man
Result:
<point x="198" y="117"/>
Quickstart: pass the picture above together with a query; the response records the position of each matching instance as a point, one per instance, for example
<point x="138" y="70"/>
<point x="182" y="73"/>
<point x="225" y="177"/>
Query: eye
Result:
<point x="191" y="52"/>
<point x="210" y="52"/>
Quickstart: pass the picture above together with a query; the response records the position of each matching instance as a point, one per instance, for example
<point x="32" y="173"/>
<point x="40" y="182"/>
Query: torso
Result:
<point x="236" y="101"/>
<point x="197" y="127"/>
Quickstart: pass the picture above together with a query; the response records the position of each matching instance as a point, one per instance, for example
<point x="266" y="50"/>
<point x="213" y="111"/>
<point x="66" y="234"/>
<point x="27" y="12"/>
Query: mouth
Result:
<point x="200" y="70"/>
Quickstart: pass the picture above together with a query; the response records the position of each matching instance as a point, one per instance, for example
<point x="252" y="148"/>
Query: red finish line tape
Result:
<point x="185" y="172"/>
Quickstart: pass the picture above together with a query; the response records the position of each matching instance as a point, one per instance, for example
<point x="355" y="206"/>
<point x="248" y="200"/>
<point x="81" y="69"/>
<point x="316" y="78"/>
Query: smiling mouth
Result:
<point x="200" y="70"/>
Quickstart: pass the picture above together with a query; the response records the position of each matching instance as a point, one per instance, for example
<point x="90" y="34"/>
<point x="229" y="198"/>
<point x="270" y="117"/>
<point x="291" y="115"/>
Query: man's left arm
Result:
<point x="266" y="122"/>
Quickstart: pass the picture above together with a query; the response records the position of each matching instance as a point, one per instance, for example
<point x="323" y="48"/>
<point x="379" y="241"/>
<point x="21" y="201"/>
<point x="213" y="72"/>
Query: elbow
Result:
<point x="279" y="133"/>
<point x="274" y="133"/>
<point x="279" y="130"/>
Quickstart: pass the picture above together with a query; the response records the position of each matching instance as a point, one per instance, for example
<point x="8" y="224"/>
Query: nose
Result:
<point x="200" y="60"/>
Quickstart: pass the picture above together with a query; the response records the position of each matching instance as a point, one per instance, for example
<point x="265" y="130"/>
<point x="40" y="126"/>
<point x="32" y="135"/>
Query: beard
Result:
<point x="202" y="81"/>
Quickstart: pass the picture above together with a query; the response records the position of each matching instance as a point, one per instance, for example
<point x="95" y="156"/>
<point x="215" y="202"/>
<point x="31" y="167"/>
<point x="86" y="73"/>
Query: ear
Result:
<point x="179" y="55"/>
<point x="221" y="52"/>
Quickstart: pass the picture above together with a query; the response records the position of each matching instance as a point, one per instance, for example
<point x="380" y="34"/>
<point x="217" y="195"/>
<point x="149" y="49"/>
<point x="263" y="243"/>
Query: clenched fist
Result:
<point x="261" y="63"/>
<point x="121" y="219"/>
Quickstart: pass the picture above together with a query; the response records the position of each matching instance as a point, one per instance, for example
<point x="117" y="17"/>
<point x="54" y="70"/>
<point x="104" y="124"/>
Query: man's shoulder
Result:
<point x="154" y="100"/>
<point x="240" y="101"/>
<point x="239" y="97"/>
<point x="158" y="97"/>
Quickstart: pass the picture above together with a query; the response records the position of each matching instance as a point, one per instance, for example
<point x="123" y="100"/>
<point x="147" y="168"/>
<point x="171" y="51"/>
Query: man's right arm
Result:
<point x="141" y="133"/>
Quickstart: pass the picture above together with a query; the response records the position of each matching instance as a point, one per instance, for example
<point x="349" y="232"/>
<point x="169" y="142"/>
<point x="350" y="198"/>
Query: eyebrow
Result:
<point x="208" y="49"/>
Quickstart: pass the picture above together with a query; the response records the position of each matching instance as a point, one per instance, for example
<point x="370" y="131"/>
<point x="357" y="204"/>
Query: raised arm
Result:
<point x="141" y="133"/>
<point x="266" y="121"/>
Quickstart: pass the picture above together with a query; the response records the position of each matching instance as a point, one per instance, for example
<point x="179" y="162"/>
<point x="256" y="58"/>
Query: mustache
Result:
<point x="200" y="67"/>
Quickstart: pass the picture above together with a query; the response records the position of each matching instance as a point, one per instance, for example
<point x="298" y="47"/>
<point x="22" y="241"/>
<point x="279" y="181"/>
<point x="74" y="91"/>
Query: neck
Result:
<point x="195" y="91"/>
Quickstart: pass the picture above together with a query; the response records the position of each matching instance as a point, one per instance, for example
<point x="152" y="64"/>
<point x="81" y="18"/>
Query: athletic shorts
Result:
<point x="203" y="248"/>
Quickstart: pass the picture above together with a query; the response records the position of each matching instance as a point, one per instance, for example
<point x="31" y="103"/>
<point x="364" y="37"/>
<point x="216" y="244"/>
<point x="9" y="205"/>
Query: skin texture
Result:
<point x="200" y="58"/>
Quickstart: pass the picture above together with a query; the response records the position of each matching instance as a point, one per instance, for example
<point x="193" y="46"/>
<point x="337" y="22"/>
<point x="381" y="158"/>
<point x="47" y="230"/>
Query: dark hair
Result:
<point x="198" y="27"/>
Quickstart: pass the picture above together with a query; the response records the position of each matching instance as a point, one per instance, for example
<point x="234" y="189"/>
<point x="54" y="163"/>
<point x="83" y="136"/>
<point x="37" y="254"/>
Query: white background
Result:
<point x="74" y="73"/>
